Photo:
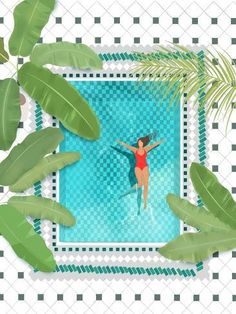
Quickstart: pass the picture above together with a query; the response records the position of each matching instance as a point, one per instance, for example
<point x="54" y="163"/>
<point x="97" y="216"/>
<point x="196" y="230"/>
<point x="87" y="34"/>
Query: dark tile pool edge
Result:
<point x="125" y="270"/>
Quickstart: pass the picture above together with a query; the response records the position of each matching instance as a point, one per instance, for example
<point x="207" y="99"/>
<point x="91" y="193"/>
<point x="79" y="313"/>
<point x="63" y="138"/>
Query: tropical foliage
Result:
<point x="29" y="162"/>
<point x="26" y="243"/>
<point x="30" y="17"/>
<point x="56" y="96"/>
<point x="180" y="67"/>
<point x="28" y="153"/>
<point x="216" y="220"/>
<point x="25" y="165"/>
<point x="4" y="57"/>
<point x="9" y="112"/>
<point x="66" y="54"/>
<point x="43" y="168"/>
<point x="42" y="208"/>
<point x="60" y="99"/>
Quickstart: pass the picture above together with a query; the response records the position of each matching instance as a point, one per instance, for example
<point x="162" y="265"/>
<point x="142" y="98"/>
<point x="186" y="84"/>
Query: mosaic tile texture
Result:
<point x="114" y="260"/>
<point x="130" y="23"/>
<point x="98" y="182"/>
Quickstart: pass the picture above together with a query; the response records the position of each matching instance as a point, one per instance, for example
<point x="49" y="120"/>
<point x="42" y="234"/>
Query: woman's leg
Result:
<point x="138" y="173"/>
<point x="145" y="173"/>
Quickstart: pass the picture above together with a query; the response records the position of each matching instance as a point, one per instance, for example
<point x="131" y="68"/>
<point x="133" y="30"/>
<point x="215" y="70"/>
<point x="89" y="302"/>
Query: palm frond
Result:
<point x="180" y="68"/>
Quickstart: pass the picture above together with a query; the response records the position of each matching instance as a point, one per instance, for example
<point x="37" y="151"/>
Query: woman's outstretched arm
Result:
<point x="132" y="148"/>
<point x="149" y="147"/>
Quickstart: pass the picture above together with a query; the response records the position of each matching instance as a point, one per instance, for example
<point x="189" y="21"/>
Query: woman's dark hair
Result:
<point x="146" y="139"/>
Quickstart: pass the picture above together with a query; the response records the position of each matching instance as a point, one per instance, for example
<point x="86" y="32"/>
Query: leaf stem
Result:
<point x="13" y="74"/>
<point x="8" y="60"/>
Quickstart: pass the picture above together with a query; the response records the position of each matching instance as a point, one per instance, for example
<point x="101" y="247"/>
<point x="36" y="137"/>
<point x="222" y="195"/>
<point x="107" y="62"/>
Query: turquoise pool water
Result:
<point x="91" y="188"/>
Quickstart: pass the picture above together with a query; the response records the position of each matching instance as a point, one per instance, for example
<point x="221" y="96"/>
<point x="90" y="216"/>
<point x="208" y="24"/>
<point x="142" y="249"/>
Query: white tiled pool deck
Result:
<point x="140" y="25"/>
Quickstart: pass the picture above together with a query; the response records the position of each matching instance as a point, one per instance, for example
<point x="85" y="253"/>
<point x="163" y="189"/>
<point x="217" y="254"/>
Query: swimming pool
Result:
<point x="91" y="188"/>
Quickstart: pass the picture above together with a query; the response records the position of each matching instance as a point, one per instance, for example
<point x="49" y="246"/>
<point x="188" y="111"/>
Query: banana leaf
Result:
<point x="26" y="243"/>
<point x="4" y="57"/>
<point x="30" y="17"/>
<point x="195" y="247"/>
<point x="42" y="208"/>
<point x="215" y="196"/>
<point x="60" y="99"/>
<point x="197" y="217"/>
<point x="27" y="154"/>
<point x="45" y="166"/>
<point x="66" y="54"/>
<point x="10" y="112"/>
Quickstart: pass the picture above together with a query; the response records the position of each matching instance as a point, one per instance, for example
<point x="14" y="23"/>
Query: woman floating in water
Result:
<point x="141" y="167"/>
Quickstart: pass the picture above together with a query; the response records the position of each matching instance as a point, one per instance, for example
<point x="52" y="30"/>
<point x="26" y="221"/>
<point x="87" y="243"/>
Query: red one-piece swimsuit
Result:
<point x="141" y="161"/>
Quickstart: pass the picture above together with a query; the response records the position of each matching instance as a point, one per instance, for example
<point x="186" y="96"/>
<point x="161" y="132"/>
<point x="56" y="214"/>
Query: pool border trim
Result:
<point x="130" y="270"/>
<point x="126" y="245"/>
